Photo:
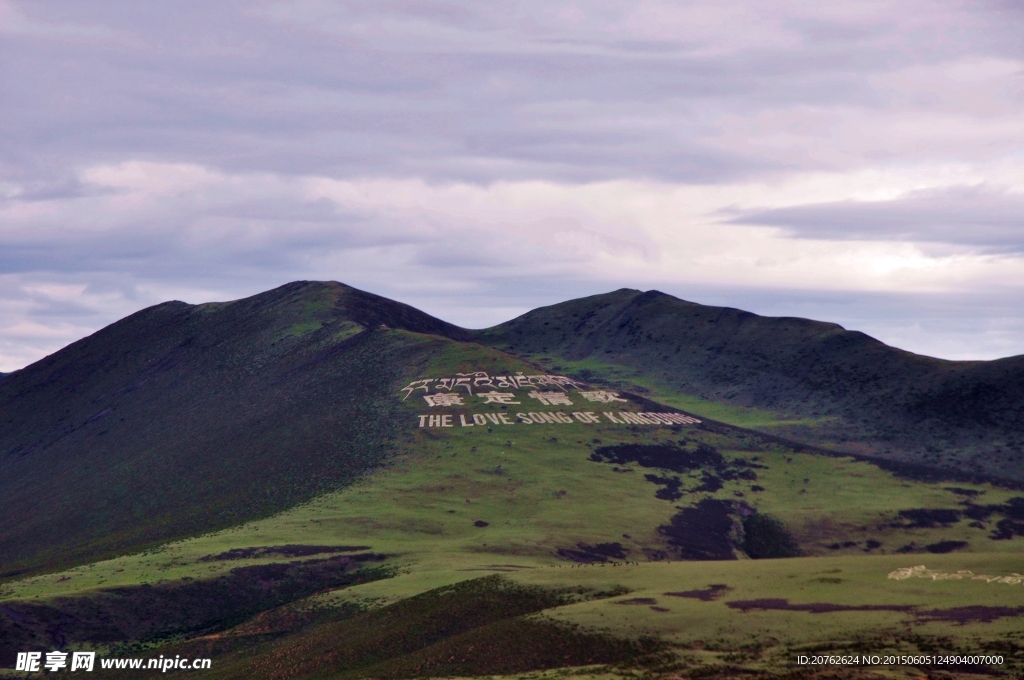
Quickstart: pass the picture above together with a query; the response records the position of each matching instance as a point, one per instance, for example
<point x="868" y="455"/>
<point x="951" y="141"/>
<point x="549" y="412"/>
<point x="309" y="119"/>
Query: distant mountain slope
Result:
<point x="966" y="414"/>
<point x="181" y="419"/>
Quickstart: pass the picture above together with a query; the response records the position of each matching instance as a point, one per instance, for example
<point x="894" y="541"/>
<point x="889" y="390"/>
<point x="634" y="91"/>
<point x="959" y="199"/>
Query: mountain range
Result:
<point x="317" y="441"/>
<point x="98" y="435"/>
<point x="837" y="388"/>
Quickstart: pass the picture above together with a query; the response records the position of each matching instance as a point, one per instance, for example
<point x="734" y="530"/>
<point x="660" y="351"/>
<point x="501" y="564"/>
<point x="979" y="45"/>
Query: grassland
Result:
<point x="465" y="502"/>
<point x="538" y="491"/>
<point x="370" y="543"/>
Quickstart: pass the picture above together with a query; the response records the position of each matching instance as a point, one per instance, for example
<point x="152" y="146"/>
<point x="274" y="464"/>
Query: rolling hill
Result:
<point x="170" y="422"/>
<point x="817" y="382"/>
<point x="320" y="482"/>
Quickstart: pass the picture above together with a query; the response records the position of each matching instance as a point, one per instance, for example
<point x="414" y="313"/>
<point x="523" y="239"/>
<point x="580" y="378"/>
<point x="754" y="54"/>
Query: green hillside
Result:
<point x="320" y="483"/>
<point x="627" y="530"/>
<point x="807" y="380"/>
<point x="172" y="421"/>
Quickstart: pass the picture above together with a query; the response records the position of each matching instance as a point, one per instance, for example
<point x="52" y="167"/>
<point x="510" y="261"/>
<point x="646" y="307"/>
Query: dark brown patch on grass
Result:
<point x="928" y="518"/>
<point x="715" y="470"/>
<point x="281" y="551"/>
<point x="671" y="490"/>
<point x="765" y="537"/>
<point x="709" y="483"/>
<point x="1014" y="508"/>
<point x="663" y="456"/>
<point x="702" y="532"/>
<point x="945" y="546"/>
<point x="772" y="604"/>
<point x="971" y="614"/>
<point x="712" y="592"/>
<point x="931" y="475"/>
<point x="1011" y="525"/>
<point x="1007" y="529"/>
<point x="980" y="512"/>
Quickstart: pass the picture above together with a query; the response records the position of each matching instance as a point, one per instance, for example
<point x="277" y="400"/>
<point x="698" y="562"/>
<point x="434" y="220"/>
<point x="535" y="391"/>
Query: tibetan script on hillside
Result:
<point x="480" y="381"/>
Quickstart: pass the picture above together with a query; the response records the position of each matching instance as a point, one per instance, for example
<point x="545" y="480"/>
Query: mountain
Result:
<point x="836" y="388"/>
<point x="320" y="482"/>
<point x="169" y="422"/>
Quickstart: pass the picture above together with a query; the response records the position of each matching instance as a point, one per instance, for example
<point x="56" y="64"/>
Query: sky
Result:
<point x="855" y="162"/>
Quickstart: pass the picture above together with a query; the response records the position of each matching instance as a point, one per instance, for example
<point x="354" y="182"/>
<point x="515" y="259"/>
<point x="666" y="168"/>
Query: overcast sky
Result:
<point x="859" y="162"/>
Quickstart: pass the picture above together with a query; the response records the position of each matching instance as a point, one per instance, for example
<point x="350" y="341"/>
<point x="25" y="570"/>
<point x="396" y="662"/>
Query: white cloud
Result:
<point x="479" y="159"/>
<point x="444" y="240"/>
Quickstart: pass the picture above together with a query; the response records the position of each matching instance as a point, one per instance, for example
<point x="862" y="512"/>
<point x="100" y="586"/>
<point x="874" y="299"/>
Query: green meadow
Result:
<point x="317" y="482"/>
<point x="523" y="502"/>
<point x="647" y="384"/>
<point x="538" y="491"/>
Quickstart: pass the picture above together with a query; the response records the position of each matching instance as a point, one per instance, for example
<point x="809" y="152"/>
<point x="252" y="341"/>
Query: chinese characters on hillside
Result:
<point x="480" y="389"/>
<point x="508" y="398"/>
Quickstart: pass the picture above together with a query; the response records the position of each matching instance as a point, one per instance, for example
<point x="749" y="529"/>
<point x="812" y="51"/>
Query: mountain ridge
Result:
<point x="250" y="482"/>
<point x="880" y="398"/>
<point x="297" y="385"/>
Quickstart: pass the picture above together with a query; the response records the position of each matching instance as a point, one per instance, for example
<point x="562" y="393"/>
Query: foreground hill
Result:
<point x="827" y="385"/>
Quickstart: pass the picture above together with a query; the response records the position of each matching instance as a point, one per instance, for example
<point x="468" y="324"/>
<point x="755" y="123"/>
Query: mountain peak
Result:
<point x="335" y="301"/>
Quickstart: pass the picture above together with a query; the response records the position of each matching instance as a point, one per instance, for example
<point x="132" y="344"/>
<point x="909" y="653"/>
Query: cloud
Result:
<point x="161" y="229"/>
<point x="479" y="159"/>
<point x="974" y="216"/>
<point x="565" y="91"/>
<point x="174" y="220"/>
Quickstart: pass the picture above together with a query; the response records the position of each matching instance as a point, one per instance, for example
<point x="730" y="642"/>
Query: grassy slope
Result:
<point x="105" y="433"/>
<point x="421" y="510"/>
<point x="170" y="422"/>
<point x="538" y="491"/>
<point x="637" y="381"/>
<point x="816" y="381"/>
